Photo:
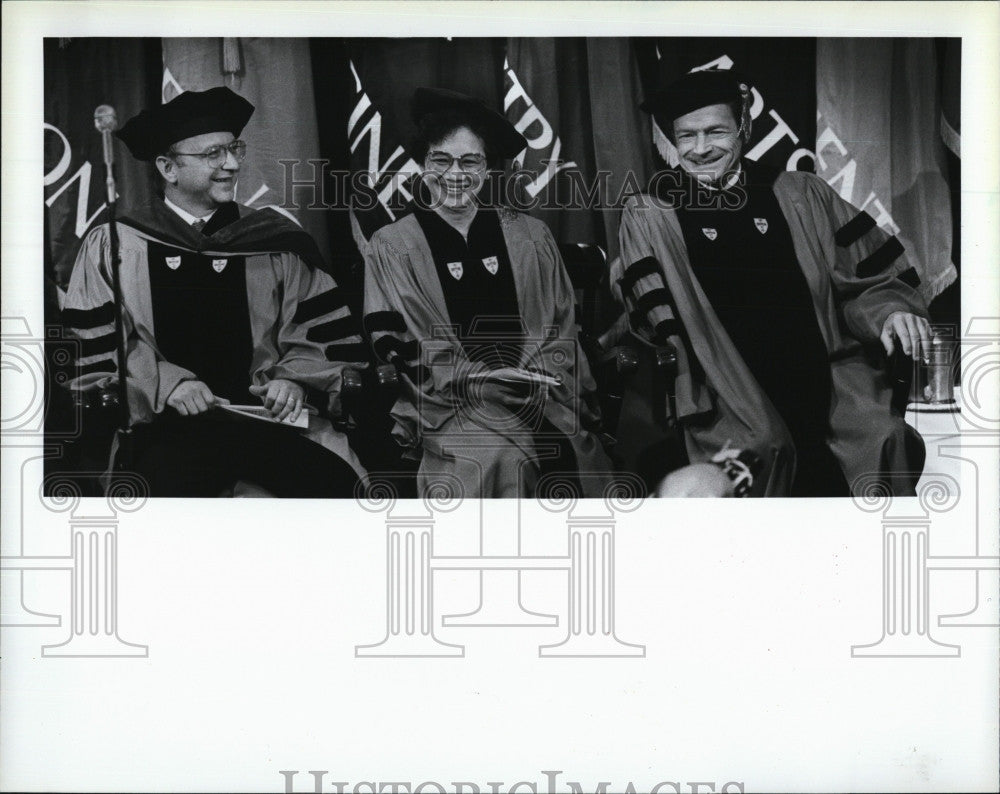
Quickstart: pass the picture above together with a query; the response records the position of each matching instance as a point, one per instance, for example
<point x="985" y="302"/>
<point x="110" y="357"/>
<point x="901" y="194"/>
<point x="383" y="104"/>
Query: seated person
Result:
<point x="221" y="305"/>
<point x="776" y="294"/>
<point x="474" y="306"/>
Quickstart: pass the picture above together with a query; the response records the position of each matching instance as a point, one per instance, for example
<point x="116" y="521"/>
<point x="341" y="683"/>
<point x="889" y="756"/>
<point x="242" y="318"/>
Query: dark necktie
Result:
<point x="198" y="225"/>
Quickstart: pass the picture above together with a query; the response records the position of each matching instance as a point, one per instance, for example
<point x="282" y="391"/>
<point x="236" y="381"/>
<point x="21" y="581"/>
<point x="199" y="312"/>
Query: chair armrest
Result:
<point x="665" y="370"/>
<point x="352" y="382"/>
<point x="387" y="378"/>
<point x="665" y="366"/>
<point x="900" y="369"/>
<point x="92" y="400"/>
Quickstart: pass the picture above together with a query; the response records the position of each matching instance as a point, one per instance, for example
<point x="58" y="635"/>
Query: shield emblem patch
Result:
<point x="711" y="234"/>
<point x="456" y="270"/>
<point x="218" y="265"/>
<point x="761" y="224"/>
<point x="173" y="262"/>
<point x="491" y="264"/>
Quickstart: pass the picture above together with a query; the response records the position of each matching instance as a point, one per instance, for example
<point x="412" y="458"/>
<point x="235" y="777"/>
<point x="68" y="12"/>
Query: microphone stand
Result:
<point x="123" y="460"/>
<point x="106" y="121"/>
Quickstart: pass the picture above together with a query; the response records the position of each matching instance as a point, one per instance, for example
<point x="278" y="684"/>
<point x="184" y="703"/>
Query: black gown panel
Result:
<point x="478" y="285"/>
<point x="742" y="254"/>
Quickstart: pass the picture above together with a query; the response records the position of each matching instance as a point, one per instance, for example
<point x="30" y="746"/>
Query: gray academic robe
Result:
<point x="287" y="301"/>
<point x="405" y="307"/>
<point x="857" y="275"/>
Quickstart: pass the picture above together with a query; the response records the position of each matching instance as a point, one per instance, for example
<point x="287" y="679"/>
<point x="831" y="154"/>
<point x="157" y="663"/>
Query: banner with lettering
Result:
<point x="864" y="114"/>
<point x="573" y="99"/>
<point x="384" y="75"/>
<point x="546" y="98"/>
<point x="81" y="74"/>
<point x="782" y="73"/>
<point x="329" y="143"/>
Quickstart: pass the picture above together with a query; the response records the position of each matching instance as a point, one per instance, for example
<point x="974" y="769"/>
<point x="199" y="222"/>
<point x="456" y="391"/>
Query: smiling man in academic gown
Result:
<point x="222" y="305"/>
<point x="781" y="299"/>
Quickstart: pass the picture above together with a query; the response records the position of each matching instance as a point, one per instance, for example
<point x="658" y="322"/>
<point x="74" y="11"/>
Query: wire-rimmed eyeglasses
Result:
<point x="216" y="155"/>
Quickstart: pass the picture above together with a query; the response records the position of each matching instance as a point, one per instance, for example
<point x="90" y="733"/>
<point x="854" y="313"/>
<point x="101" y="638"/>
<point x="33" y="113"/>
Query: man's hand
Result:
<point x="283" y="398"/>
<point x="910" y="329"/>
<point x="192" y="397"/>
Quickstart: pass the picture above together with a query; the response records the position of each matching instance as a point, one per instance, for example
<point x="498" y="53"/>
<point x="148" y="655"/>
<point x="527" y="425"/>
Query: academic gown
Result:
<point x="253" y="291"/>
<point x="856" y="275"/>
<point x="489" y="452"/>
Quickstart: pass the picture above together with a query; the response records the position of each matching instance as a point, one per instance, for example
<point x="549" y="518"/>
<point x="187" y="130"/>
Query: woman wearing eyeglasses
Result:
<point x="473" y="306"/>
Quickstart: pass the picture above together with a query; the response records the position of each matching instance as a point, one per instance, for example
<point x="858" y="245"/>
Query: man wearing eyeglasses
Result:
<point x="203" y="179"/>
<point x="223" y="307"/>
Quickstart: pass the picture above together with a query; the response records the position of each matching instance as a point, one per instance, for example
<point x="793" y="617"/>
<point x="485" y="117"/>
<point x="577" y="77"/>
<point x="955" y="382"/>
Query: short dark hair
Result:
<point x="159" y="183"/>
<point x="435" y="127"/>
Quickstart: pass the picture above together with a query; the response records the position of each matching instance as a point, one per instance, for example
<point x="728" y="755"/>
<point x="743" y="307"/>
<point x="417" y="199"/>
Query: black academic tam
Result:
<point x="155" y="129"/>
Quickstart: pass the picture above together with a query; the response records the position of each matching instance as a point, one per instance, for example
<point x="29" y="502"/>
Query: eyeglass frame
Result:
<point x="480" y="167"/>
<point x="239" y="155"/>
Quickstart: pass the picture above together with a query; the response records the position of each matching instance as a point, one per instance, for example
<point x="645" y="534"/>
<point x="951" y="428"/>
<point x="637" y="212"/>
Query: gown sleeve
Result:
<point x="317" y="336"/>
<point x="89" y="317"/>
<point x="385" y="325"/>
<point x="871" y="274"/>
<point x="640" y="283"/>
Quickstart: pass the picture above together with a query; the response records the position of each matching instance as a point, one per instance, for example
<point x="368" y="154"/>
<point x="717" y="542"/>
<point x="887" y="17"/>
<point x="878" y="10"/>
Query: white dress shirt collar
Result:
<point x="186" y="216"/>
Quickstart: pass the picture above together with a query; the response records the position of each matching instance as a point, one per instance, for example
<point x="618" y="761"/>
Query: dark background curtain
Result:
<point x="344" y="105"/>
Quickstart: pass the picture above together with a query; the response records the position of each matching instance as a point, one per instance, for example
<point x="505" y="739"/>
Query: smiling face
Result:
<point x="708" y="142"/>
<point x="190" y="182"/>
<point x="454" y="188"/>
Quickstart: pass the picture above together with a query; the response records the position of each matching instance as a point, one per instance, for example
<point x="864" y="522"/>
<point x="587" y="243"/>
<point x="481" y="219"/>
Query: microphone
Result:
<point x="106" y="122"/>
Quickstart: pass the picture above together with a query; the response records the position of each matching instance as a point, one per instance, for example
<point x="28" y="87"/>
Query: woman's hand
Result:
<point x="519" y="397"/>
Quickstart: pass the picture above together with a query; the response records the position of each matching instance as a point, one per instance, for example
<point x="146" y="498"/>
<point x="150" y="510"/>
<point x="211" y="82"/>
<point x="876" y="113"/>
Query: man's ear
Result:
<point x="167" y="168"/>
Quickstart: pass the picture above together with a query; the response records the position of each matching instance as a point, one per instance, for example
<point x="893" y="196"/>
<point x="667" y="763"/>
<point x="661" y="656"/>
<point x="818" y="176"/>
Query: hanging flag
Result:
<point x="950" y="59"/>
<point x="283" y="169"/>
<point x="384" y="74"/>
<point x="548" y="102"/>
<point x="878" y="144"/>
<point x="621" y="132"/>
<point x="79" y="75"/>
<point x="382" y="169"/>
